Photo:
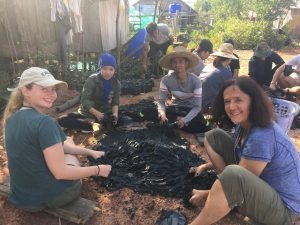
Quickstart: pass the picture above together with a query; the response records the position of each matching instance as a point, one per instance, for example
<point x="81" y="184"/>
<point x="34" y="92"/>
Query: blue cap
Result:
<point x="107" y="59"/>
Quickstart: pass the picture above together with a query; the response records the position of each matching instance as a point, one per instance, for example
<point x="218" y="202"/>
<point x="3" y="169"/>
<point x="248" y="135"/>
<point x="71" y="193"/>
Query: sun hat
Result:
<point x="225" y="50"/>
<point x="178" y="52"/>
<point x="38" y="76"/>
<point x="107" y="59"/>
<point x="181" y="39"/>
<point x="262" y="50"/>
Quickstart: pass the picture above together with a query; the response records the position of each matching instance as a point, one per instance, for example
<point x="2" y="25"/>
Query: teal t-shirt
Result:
<point x="27" y="134"/>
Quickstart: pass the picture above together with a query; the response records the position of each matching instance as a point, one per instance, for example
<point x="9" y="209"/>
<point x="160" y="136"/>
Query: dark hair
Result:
<point x="261" y="112"/>
<point x="218" y="61"/>
<point x="230" y="41"/>
<point x="205" y="46"/>
<point x="151" y="27"/>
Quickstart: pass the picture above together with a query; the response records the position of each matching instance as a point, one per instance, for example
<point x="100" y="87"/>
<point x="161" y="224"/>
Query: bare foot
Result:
<point x="198" y="196"/>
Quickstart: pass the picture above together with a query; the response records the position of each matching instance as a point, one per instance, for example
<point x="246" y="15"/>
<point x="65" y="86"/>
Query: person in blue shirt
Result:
<point x="258" y="167"/>
<point x="214" y="78"/>
<point x="43" y="165"/>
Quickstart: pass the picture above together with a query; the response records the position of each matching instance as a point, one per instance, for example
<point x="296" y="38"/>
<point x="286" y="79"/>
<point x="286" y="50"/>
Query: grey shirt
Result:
<point x="187" y="94"/>
<point x="163" y="35"/>
<point x="199" y="67"/>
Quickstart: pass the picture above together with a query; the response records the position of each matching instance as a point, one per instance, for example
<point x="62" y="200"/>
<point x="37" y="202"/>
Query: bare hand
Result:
<point x="104" y="170"/>
<point x="115" y="119"/>
<point x="96" y="154"/>
<point x="197" y="170"/>
<point x="99" y="116"/>
<point x="272" y="86"/>
<point x="198" y="196"/>
<point x="163" y="118"/>
<point x="180" y="122"/>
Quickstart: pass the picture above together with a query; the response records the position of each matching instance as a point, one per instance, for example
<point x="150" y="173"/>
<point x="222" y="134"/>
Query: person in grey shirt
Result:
<point x="186" y="91"/>
<point x="203" y="51"/>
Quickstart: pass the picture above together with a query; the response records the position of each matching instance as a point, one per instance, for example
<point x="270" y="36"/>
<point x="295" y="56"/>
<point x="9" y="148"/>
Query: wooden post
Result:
<point x="118" y="40"/>
<point x="155" y="9"/>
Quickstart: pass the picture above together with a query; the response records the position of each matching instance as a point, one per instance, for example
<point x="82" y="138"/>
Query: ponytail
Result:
<point x="15" y="102"/>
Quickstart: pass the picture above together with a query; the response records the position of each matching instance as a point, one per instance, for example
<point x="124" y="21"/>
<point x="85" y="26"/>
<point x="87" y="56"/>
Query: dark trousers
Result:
<point x="75" y="121"/>
<point x="196" y="125"/>
<point x="155" y="53"/>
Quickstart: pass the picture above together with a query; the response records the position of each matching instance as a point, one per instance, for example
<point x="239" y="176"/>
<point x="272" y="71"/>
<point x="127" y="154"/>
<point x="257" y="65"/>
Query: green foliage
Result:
<point x="246" y="34"/>
<point x="230" y="8"/>
<point x="270" y="10"/>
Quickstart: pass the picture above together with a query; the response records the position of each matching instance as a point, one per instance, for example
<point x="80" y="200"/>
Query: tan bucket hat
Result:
<point x="226" y="51"/>
<point x="38" y="76"/>
<point x="178" y="52"/>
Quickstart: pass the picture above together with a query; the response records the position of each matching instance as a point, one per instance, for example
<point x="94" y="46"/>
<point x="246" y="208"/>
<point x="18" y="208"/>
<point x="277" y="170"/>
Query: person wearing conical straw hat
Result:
<point x="214" y="80"/>
<point x="186" y="91"/>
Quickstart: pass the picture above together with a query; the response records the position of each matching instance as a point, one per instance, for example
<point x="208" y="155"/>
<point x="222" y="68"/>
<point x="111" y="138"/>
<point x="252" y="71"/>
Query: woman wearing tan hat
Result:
<point x="185" y="88"/>
<point x="43" y="165"/>
<point x="214" y="80"/>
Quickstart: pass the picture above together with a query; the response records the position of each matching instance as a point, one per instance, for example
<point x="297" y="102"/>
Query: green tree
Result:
<point x="270" y="10"/>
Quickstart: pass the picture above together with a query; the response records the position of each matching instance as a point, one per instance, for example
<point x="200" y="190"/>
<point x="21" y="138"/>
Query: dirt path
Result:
<point x="123" y="207"/>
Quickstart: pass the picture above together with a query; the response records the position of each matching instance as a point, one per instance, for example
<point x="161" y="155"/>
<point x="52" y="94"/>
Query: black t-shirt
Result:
<point x="262" y="71"/>
<point x="235" y="64"/>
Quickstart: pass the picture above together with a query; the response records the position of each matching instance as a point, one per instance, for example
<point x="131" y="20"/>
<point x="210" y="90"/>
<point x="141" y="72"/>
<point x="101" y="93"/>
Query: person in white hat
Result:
<point x="43" y="165"/>
<point x="215" y="78"/>
<point x="186" y="91"/>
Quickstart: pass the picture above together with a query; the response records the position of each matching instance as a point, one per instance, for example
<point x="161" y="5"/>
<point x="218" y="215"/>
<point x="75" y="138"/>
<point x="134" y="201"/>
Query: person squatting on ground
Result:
<point x="215" y="78"/>
<point x="186" y="91"/>
<point x="100" y="98"/>
<point x="205" y="48"/>
<point x="285" y="76"/>
<point x="261" y="64"/>
<point x="235" y="64"/>
<point x="157" y="41"/>
<point x="258" y="168"/>
<point x="43" y="165"/>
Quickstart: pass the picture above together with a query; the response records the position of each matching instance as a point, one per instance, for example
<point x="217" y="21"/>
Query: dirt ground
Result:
<point x="123" y="207"/>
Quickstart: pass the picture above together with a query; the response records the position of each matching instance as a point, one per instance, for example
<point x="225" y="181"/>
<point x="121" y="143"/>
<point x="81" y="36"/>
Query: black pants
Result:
<point x="196" y="125"/>
<point x="77" y="121"/>
<point x="155" y="53"/>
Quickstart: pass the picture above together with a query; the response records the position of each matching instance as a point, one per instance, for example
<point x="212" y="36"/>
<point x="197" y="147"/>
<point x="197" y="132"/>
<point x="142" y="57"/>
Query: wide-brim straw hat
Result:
<point x="226" y="51"/>
<point x="178" y="52"/>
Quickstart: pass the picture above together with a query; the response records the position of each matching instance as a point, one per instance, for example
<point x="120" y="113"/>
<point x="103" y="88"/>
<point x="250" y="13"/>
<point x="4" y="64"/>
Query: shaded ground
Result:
<point x="123" y="207"/>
